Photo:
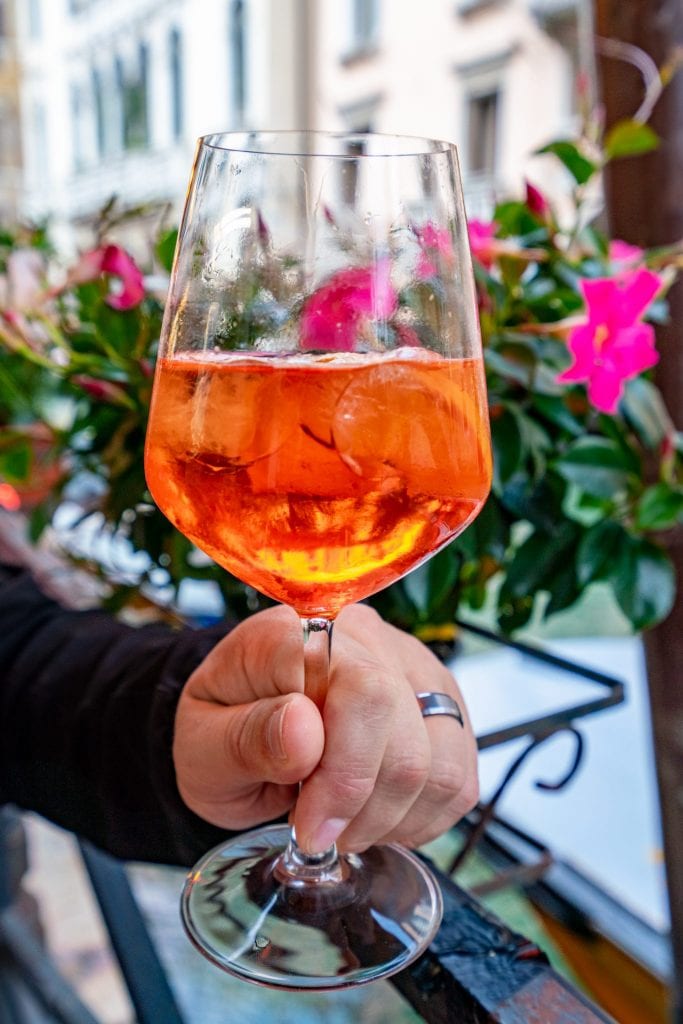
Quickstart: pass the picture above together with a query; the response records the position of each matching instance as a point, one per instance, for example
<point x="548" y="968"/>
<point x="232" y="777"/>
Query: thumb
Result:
<point x="237" y="766"/>
<point x="276" y="739"/>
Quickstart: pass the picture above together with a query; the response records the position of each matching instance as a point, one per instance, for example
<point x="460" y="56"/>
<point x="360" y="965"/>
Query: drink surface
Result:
<point x="319" y="480"/>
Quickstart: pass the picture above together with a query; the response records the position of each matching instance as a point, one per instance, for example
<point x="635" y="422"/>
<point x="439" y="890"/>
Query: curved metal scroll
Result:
<point x="487" y="810"/>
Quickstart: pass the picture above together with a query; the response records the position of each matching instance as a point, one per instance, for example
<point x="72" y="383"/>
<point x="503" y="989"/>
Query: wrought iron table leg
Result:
<point x="144" y="974"/>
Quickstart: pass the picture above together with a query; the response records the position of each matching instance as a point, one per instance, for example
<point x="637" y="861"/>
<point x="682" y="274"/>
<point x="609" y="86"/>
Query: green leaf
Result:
<point x="660" y="507"/>
<point x="489" y="534"/>
<point x="596" y="551"/>
<point x="515" y="363"/>
<point x="39" y="520"/>
<point x="556" y="303"/>
<point x="535" y="436"/>
<point x="15" y="462"/>
<point x="597" y="465"/>
<point x="394" y="604"/>
<point x="538" y="502"/>
<point x="542" y="562"/>
<point x="580" y="167"/>
<point x="431" y="583"/>
<point x="515" y="613"/>
<point x="563" y="588"/>
<point x="612" y="428"/>
<point x="508" y="447"/>
<point x="629" y="138"/>
<point x="643" y="581"/>
<point x="514" y="218"/>
<point x="536" y="560"/>
<point x="165" y="248"/>
<point x="584" y="508"/>
<point x="442" y="575"/>
<point x="644" y="408"/>
<point x="556" y="411"/>
<point x="597" y="240"/>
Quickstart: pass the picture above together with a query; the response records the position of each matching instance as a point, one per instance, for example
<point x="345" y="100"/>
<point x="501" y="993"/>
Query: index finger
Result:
<point x="358" y="715"/>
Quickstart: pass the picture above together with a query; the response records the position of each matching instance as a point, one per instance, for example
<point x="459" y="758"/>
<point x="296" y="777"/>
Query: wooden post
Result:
<point x="645" y="207"/>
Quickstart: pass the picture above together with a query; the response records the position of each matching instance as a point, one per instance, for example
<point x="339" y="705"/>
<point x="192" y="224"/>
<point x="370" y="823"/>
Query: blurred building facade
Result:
<point x="495" y="76"/>
<point x="10" y="120"/>
<point x="114" y="94"/>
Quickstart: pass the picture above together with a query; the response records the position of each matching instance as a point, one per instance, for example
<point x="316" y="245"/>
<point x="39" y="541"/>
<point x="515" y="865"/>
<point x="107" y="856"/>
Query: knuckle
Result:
<point x="446" y="782"/>
<point x="349" y="789"/>
<point x="409" y="773"/>
<point x="371" y="693"/>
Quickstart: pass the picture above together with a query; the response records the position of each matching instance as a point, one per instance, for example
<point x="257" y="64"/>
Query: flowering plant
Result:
<point x="587" y="462"/>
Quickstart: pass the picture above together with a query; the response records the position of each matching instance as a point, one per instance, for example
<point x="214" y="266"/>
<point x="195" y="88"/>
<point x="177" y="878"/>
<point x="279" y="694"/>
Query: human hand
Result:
<point x="373" y="769"/>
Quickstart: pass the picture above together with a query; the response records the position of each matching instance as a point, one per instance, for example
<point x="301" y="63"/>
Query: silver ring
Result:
<point x="438" y="704"/>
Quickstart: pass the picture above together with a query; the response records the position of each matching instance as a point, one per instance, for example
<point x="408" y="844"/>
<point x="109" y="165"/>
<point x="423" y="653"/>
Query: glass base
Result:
<point x="368" y="917"/>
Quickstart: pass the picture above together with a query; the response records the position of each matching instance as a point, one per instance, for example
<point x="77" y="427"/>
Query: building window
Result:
<point x="238" y="60"/>
<point x="359" y="119"/>
<point x="100" y="112"/>
<point x="364" y="21"/>
<point x="482" y="87"/>
<point x="175" y="58"/>
<point x="78" y="127"/>
<point x="39" y="162"/>
<point x="350" y="168"/>
<point x="482" y="133"/>
<point x="119" y="91"/>
<point x="133" y="88"/>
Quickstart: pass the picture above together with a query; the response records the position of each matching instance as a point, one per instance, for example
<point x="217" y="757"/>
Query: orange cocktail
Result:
<point x="319" y="479"/>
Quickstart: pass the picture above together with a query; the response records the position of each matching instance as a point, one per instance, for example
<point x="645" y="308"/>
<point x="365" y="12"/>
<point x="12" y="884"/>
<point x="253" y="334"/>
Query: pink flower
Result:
<point x="614" y="345"/>
<point x="482" y="240"/>
<point x="14" y="319"/>
<point x="333" y="315"/>
<point x="436" y="245"/>
<point x="624" y="255"/>
<point x="102" y="390"/>
<point x="537" y="202"/>
<point x="111" y="259"/>
<point x="406" y="336"/>
<point x="424" y="267"/>
<point x="117" y="261"/>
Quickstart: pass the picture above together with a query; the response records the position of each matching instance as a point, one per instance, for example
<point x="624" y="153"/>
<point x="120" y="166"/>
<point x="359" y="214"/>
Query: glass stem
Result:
<point x="295" y="865"/>
<point x="317" y="653"/>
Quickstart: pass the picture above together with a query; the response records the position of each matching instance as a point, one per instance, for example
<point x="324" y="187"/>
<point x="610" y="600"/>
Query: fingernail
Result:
<point x="275" y="734"/>
<point x="327" y="834"/>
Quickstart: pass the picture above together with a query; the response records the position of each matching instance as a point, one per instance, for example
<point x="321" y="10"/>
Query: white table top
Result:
<point x="606" y="822"/>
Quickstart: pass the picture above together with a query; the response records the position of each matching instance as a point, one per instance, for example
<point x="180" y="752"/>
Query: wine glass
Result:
<point x="319" y="428"/>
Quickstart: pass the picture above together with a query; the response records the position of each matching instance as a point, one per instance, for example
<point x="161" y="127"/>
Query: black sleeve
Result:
<point x="87" y="706"/>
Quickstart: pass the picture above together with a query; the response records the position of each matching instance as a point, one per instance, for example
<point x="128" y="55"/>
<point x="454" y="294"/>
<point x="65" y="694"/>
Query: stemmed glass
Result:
<point x="318" y="427"/>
